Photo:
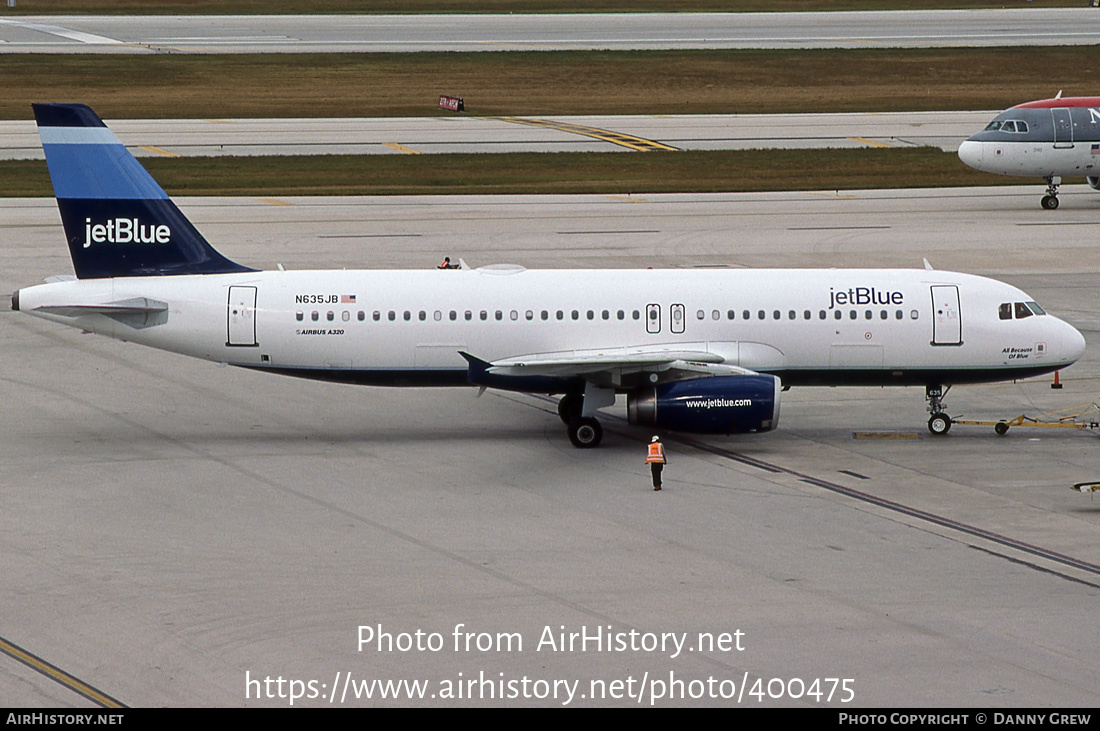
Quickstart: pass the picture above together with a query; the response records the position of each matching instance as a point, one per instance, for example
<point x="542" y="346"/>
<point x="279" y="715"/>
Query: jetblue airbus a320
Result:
<point x="697" y="351"/>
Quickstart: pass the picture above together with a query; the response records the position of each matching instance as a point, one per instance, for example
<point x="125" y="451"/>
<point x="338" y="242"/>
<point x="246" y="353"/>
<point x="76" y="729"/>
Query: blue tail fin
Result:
<point x="118" y="221"/>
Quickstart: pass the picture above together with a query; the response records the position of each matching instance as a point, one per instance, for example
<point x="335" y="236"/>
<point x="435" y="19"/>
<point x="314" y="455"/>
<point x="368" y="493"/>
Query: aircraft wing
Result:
<point x="618" y="367"/>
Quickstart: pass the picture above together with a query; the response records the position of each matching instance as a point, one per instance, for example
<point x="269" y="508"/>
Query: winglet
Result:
<point x="118" y="221"/>
<point x="478" y="367"/>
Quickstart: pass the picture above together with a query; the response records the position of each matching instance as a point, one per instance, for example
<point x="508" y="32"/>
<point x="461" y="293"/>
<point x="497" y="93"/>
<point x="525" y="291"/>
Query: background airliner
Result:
<point x="699" y="351"/>
<point x="1048" y="139"/>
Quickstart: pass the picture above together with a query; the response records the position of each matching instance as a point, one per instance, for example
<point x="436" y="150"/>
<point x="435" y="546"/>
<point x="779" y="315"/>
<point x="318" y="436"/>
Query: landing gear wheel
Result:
<point x="939" y="424"/>
<point x="1001" y="428"/>
<point x="585" y="432"/>
<point x="1050" y="200"/>
<point x="569" y="408"/>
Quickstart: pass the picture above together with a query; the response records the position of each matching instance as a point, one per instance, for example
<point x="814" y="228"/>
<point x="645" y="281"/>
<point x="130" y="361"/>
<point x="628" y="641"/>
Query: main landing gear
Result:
<point x="584" y="431"/>
<point x="1050" y="200"/>
<point x="939" y="423"/>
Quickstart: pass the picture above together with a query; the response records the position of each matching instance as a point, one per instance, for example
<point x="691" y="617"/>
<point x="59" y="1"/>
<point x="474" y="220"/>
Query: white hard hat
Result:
<point x="655" y="438"/>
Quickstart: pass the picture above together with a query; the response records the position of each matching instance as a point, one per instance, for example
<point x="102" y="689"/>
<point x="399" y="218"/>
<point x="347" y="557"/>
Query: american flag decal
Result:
<point x="1096" y="149"/>
<point x="347" y="299"/>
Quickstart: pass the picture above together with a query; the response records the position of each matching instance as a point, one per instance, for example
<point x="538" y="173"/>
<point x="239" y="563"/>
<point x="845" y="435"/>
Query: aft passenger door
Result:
<point x="241" y="317"/>
<point x="946" y="316"/>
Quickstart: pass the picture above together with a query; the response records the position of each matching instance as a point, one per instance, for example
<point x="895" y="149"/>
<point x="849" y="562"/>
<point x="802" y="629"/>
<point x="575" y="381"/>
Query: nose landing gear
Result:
<point x="939" y="423"/>
<point x="1050" y="200"/>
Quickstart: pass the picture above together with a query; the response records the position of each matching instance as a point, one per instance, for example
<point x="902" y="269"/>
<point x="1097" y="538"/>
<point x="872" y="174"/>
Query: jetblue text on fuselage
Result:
<point x="863" y="296"/>
<point x="124" y="231"/>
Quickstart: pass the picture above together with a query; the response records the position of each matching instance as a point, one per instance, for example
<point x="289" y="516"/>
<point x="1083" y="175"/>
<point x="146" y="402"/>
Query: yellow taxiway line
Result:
<point x="616" y="138"/>
<point x="52" y="671"/>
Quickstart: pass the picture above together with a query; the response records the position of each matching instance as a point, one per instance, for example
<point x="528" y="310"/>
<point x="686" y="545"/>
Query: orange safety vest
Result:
<point x="656" y="453"/>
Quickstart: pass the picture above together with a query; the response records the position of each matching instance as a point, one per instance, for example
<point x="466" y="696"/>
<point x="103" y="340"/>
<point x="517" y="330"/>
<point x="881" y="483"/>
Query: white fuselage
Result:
<point x="409" y="327"/>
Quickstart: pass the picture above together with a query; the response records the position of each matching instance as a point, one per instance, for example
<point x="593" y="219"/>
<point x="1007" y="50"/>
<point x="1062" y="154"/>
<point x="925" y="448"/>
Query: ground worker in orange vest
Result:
<point x="656" y="460"/>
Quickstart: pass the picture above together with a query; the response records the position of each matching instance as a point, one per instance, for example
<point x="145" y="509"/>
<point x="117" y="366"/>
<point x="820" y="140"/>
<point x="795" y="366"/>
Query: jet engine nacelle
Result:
<point x="1093" y="181"/>
<point x="716" y="405"/>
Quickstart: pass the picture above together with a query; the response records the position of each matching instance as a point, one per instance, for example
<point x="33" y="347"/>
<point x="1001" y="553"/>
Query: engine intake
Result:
<point x="1093" y="181"/>
<point x="716" y="405"/>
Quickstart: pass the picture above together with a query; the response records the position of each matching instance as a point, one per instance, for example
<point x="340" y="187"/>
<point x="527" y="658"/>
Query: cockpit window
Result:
<point x="1006" y="310"/>
<point x="1017" y="126"/>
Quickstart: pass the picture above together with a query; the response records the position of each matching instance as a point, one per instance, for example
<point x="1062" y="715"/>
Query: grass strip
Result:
<point x="539" y="173"/>
<point x="544" y="83"/>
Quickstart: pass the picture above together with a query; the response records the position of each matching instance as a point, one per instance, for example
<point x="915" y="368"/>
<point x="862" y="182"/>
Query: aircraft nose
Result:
<point x="970" y="152"/>
<point x="1073" y="343"/>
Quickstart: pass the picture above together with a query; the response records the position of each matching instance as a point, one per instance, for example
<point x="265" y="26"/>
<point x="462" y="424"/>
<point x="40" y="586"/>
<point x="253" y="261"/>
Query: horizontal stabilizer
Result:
<point x="139" y="312"/>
